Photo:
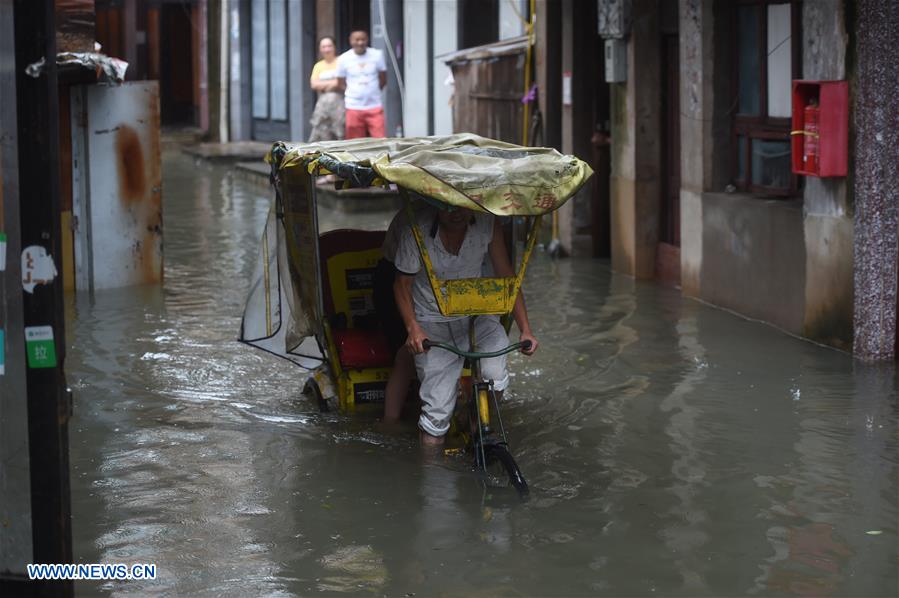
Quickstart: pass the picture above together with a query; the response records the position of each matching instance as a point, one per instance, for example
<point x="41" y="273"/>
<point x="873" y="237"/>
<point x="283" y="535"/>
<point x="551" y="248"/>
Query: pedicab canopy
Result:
<point x="464" y="170"/>
<point x="283" y="314"/>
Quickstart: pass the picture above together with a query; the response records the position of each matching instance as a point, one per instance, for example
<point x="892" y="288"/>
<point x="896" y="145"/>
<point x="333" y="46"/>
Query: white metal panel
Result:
<point x="118" y="237"/>
<point x="445" y="40"/>
<point x="415" y="67"/>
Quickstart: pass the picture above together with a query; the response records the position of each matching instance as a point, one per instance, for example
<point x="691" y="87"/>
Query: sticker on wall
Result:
<point x="37" y="267"/>
<point x="2" y="252"/>
<point x="2" y="353"/>
<point x="40" y="347"/>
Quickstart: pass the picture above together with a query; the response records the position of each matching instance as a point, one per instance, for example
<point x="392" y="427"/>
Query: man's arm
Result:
<point x="502" y="265"/>
<point x="402" y="294"/>
<point x="381" y="65"/>
<point x="341" y="84"/>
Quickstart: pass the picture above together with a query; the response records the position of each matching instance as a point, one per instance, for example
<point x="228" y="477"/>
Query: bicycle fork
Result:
<point x="482" y="395"/>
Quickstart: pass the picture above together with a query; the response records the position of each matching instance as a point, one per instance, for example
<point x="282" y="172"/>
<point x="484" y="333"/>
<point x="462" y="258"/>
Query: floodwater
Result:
<point x="671" y="448"/>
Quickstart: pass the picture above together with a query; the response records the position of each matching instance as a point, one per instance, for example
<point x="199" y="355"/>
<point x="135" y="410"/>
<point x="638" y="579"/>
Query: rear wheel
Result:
<point x="498" y="460"/>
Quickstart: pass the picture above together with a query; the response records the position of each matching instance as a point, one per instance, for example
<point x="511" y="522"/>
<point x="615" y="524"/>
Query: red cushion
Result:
<point x="362" y="349"/>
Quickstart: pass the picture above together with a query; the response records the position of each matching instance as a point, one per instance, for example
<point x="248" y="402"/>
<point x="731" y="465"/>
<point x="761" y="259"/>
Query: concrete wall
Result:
<point x="753" y="259"/>
<point x="788" y="262"/>
<point x="579" y="58"/>
<point x="636" y="148"/>
<point x="828" y="227"/>
<point x="697" y="107"/>
<point x="548" y="68"/>
<point x="301" y="37"/>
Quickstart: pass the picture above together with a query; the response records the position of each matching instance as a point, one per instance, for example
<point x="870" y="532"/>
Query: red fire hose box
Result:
<point x="820" y="130"/>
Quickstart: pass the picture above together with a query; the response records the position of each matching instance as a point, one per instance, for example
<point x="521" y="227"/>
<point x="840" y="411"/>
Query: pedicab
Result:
<point x="311" y="300"/>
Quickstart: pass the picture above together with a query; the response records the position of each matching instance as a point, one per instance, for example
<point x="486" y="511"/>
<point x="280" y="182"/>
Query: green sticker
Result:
<point x="40" y="347"/>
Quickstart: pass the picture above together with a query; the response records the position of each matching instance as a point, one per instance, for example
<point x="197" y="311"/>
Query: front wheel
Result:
<point x="498" y="454"/>
<point x="312" y="391"/>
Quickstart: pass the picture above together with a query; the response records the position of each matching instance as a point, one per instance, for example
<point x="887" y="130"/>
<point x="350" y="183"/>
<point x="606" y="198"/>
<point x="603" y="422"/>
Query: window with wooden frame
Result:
<point x="766" y="58"/>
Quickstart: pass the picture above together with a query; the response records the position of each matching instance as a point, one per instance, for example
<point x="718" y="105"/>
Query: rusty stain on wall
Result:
<point x="130" y="158"/>
<point x="140" y="192"/>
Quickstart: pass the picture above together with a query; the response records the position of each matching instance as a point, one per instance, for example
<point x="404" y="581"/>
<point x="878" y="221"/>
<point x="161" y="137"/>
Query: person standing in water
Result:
<point x="329" y="114"/>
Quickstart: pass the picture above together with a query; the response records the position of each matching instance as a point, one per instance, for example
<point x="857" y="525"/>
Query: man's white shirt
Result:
<point x="363" y="90"/>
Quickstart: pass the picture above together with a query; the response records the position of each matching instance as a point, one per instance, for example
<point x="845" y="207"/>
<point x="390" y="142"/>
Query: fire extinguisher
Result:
<point x="810" y="137"/>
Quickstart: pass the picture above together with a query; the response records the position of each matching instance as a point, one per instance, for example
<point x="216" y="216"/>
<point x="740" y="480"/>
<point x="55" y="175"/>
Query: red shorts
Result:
<point x="365" y="123"/>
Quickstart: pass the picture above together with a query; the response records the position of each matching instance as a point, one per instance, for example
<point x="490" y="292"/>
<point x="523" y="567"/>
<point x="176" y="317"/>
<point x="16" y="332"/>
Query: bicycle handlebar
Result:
<point x="427" y="344"/>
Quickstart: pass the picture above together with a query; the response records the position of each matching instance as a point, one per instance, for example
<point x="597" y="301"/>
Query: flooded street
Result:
<point x="671" y="448"/>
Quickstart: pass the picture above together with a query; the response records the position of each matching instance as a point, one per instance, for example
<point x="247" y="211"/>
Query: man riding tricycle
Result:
<point x="314" y="298"/>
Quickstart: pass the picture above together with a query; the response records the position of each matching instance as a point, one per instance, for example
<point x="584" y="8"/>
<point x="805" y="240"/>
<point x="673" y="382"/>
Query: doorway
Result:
<point x="352" y="15"/>
<point x="270" y="73"/>
<point x="668" y="252"/>
<point x="177" y="80"/>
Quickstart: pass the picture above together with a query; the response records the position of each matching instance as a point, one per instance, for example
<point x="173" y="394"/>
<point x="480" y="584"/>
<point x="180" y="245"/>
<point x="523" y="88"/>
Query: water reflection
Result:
<point x="670" y="448"/>
<point x="686" y="534"/>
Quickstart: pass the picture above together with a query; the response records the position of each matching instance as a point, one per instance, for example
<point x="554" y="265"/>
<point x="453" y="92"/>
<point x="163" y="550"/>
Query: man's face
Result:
<point x="359" y="41"/>
<point x="454" y="220"/>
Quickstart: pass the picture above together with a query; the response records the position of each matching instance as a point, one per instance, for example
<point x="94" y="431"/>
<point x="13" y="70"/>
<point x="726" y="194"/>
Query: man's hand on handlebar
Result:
<point x="527" y="337"/>
<point x="415" y="339"/>
<point x="417" y="342"/>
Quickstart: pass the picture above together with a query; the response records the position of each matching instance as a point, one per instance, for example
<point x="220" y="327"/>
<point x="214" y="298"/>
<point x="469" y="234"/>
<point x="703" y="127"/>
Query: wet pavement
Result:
<point x="671" y="448"/>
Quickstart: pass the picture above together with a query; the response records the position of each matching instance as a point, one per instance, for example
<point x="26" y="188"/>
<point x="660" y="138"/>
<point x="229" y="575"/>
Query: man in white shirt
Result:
<point x="458" y="242"/>
<point x="362" y="74"/>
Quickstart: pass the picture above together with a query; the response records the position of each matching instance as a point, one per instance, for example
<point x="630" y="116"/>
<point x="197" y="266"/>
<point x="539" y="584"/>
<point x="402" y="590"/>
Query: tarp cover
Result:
<point x="464" y="170"/>
<point x="274" y="319"/>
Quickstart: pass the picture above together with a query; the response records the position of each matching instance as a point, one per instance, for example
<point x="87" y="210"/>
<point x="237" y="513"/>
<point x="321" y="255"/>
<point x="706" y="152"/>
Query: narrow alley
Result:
<point x="414" y="298"/>
<point x="671" y="447"/>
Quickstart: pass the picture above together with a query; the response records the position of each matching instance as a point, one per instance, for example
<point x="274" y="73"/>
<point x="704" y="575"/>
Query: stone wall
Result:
<point x="876" y="184"/>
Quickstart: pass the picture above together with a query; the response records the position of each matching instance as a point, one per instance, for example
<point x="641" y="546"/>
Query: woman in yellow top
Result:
<point x="328" y="117"/>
